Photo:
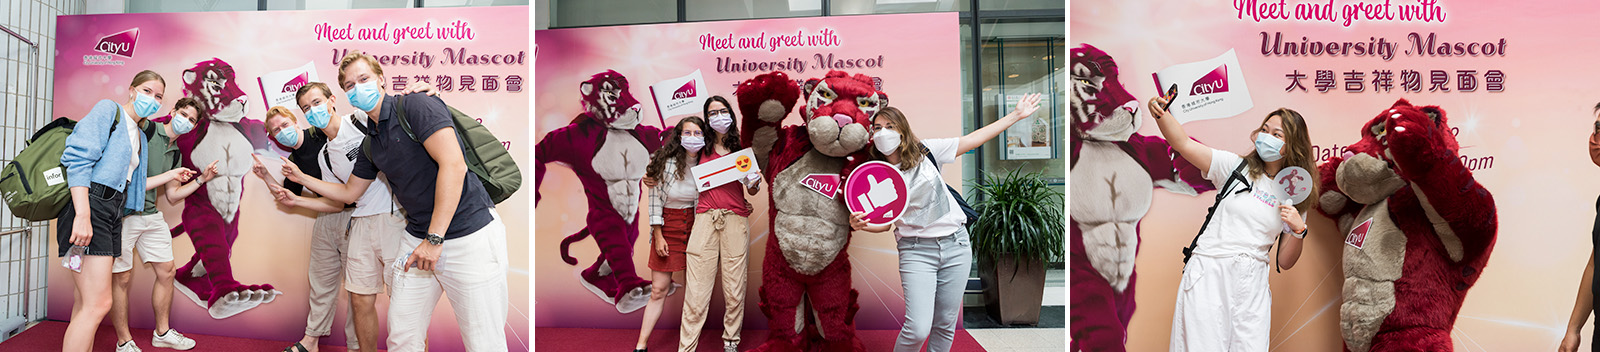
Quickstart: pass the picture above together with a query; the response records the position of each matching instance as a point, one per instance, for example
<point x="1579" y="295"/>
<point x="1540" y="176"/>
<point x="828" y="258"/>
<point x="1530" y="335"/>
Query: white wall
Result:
<point x="25" y="99"/>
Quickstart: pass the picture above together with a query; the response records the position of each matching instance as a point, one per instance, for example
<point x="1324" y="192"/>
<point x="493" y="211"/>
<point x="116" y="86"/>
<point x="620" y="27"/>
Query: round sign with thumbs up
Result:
<point x="876" y="188"/>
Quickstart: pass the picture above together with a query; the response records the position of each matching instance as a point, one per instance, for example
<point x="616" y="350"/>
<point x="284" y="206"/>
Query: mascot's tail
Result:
<point x="178" y="230"/>
<point x="584" y="233"/>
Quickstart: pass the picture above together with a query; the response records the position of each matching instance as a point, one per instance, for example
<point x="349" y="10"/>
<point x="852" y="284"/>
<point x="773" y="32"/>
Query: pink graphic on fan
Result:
<point x="299" y="81"/>
<point x="120" y="43"/>
<point x="1214" y="82"/>
<point x="827" y="184"/>
<point x="877" y="189"/>
<point x="1296" y="183"/>
<point x="687" y="91"/>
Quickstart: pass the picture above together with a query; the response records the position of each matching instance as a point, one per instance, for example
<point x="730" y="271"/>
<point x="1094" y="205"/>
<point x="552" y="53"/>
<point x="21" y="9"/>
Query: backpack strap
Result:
<point x="1221" y="193"/>
<point x="114" y="121"/>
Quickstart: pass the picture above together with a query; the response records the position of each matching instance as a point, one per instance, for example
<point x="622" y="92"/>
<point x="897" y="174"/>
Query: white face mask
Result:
<point x="886" y="140"/>
<point x="694" y="143"/>
<point x="721" y="122"/>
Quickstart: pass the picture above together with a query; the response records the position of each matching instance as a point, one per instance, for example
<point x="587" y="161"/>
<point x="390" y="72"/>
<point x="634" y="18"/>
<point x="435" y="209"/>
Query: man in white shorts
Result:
<point x="147" y="231"/>
<point x="367" y="231"/>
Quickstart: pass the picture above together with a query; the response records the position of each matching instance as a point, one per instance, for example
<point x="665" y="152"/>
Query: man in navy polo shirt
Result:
<point x="457" y="244"/>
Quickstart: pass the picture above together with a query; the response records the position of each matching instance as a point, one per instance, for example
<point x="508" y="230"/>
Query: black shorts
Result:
<point x="106" y="212"/>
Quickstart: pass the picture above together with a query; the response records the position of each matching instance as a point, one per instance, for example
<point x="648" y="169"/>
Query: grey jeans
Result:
<point x="933" y="273"/>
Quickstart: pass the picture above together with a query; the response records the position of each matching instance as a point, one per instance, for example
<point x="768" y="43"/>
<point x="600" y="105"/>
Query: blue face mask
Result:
<point x="1267" y="147"/>
<point x="365" y="96"/>
<point x="181" y="125"/>
<point x="289" y="137"/>
<point x="145" y="105"/>
<point x="318" y="116"/>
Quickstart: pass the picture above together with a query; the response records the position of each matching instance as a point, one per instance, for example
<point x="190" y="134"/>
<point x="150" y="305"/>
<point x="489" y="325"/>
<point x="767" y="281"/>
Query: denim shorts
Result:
<point x="106" y="213"/>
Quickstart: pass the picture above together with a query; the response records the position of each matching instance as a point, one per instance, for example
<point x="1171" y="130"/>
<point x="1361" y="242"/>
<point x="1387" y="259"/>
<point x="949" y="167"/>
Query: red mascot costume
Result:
<point x="1419" y="230"/>
<point x="805" y="276"/>
<point x="607" y="149"/>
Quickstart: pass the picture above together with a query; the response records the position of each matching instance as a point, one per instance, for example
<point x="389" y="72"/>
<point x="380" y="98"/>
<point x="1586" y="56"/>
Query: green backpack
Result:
<point x="485" y="156"/>
<point x="34" y="184"/>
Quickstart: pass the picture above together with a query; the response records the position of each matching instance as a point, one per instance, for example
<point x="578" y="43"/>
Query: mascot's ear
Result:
<point x="1435" y="113"/>
<point x="585" y="88"/>
<point x="808" y="87"/>
<point x="189" y="77"/>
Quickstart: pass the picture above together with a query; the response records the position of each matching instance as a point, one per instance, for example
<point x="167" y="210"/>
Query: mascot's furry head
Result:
<point x="212" y="82"/>
<point x="839" y="107"/>
<point x="607" y="99"/>
<point x="1101" y="109"/>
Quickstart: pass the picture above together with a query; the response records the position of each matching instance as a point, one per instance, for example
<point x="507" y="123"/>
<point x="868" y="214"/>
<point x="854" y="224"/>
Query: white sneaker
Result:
<point x="128" y="347"/>
<point x="173" y="339"/>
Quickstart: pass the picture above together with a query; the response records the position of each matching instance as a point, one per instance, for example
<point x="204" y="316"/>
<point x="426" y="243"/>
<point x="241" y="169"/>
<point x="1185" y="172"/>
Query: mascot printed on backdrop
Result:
<point x="1419" y="230"/>
<point x="211" y="215"/>
<point x="1115" y="171"/>
<point x="608" y="150"/>
<point x="805" y="275"/>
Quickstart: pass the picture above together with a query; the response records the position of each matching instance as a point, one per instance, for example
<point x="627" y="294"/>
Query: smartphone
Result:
<point x="1172" y="93"/>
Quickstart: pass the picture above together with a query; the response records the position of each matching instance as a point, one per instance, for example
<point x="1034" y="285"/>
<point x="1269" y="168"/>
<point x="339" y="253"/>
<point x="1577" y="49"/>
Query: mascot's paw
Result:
<point x="590" y="284"/>
<point x="239" y="301"/>
<point x="770" y="95"/>
<point x="636" y="298"/>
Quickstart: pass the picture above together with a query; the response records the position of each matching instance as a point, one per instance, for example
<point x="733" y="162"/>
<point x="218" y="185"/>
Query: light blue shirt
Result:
<point x="93" y="155"/>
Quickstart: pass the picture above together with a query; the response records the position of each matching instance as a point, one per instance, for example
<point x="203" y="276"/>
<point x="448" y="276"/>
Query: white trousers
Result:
<point x="1224" y="304"/>
<point x="471" y="272"/>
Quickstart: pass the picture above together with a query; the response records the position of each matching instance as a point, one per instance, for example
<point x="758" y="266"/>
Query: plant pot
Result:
<point x="1012" y="291"/>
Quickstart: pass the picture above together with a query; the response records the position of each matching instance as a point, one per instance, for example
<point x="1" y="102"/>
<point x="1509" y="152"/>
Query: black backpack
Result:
<point x="972" y="214"/>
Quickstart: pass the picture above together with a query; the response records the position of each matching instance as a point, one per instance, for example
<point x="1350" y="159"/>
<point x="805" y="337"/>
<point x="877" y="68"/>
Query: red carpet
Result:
<point x="564" y="339"/>
<point x="47" y="337"/>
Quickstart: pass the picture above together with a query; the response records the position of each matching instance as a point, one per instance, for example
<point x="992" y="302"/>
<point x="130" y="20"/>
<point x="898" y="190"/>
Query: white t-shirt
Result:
<point x="338" y="158"/>
<point x="931" y="210"/>
<point x="680" y="193"/>
<point x="1245" y="222"/>
<point x="133" y="141"/>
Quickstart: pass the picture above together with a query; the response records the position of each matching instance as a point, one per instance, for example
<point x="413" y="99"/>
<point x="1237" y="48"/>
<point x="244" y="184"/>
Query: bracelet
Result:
<point x="1302" y="233"/>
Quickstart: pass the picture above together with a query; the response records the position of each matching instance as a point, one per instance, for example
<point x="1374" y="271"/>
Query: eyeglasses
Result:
<point x="722" y="111"/>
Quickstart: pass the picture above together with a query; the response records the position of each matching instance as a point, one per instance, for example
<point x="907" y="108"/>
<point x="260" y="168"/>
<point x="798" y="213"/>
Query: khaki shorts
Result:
<point x="147" y="234"/>
<point x="374" y="242"/>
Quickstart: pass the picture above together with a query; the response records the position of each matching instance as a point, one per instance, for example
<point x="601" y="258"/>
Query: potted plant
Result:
<point x="1020" y="227"/>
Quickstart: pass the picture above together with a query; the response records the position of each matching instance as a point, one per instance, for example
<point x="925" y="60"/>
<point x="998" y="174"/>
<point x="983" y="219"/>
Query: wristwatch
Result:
<point x="435" y="239"/>
<point x="1302" y="233"/>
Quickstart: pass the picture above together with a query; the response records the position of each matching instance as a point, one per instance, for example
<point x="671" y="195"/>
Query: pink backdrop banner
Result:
<point x="1518" y="94"/>
<point x="915" y="56"/>
<point x="477" y="57"/>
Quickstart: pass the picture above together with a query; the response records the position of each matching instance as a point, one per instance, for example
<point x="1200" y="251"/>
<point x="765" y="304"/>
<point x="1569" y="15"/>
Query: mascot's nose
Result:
<point x="842" y="119"/>
<point x="1132" y="107"/>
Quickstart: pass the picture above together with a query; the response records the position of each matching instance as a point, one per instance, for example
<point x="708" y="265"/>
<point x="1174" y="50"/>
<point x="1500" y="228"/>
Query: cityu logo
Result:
<point x="686" y="91"/>
<point x="120" y="44"/>
<point x="1214" y="82"/>
<point x="298" y="81"/>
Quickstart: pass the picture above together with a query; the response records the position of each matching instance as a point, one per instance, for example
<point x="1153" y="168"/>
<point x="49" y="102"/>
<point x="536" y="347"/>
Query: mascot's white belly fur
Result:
<point x="226" y="145"/>
<point x="621" y="162"/>
<point x="1108" y="200"/>
<point x="807" y="225"/>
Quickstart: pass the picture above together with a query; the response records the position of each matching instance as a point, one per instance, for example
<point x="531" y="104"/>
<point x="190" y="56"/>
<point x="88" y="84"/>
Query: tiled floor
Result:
<point x="1031" y="340"/>
<point x="1021" y="340"/>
